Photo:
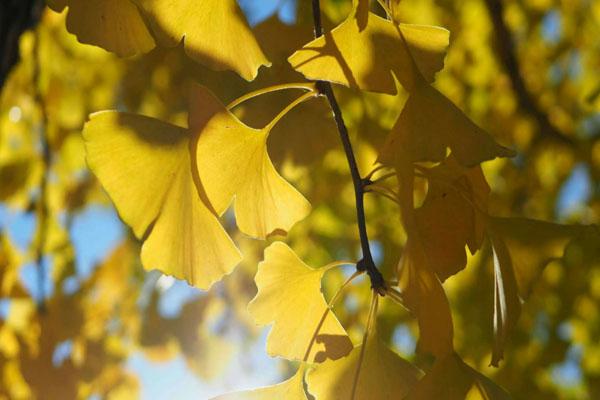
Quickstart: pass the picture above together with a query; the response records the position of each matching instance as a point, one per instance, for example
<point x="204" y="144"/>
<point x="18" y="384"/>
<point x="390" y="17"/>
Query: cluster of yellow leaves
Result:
<point x="185" y="179"/>
<point x="172" y="184"/>
<point x="214" y="32"/>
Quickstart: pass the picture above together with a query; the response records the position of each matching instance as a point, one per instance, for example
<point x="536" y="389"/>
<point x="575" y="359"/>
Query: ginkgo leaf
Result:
<point x="381" y="374"/>
<point x="532" y="244"/>
<point x="289" y="296"/>
<point x="507" y="305"/>
<point x="424" y="295"/>
<point x="114" y="25"/>
<point x="452" y="379"/>
<point x="362" y="13"/>
<point x="345" y="55"/>
<point x="145" y="166"/>
<point x="214" y="33"/>
<point x="232" y="160"/>
<point x="451" y="216"/>
<point x="291" y="389"/>
<point x="430" y="123"/>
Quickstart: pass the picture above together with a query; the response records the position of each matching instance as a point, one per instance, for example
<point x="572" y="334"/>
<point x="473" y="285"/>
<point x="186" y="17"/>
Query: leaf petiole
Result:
<point x="282" y="113"/>
<point x="275" y="88"/>
<point x="370" y="327"/>
<point x="330" y="305"/>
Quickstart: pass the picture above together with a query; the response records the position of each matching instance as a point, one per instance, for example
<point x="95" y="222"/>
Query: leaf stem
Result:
<point x="288" y="108"/>
<point x="369" y="329"/>
<point x="270" y="89"/>
<point x="366" y="263"/>
<point x="326" y="312"/>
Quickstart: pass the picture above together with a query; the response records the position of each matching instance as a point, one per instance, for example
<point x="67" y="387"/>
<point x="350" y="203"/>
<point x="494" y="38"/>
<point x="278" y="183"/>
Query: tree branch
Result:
<point x="506" y="51"/>
<point x="366" y="263"/>
<point x="16" y="16"/>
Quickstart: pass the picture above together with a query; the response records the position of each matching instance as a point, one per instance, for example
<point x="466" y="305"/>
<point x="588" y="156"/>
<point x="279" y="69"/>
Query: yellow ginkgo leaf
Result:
<point x="452" y="379"/>
<point x="507" y="305"/>
<point x="377" y="374"/>
<point x="345" y="55"/>
<point x="114" y="25"/>
<point x="451" y="216"/>
<point x="362" y="12"/>
<point x="429" y="124"/>
<point x="291" y="389"/>
<point x="423" y="294"/>
<point x="289" y="296"/>
<point x="214" y="33"/>
<point x="532" y="244"/>
<point x="232" y="160"/>
<point x="145" y="166"/>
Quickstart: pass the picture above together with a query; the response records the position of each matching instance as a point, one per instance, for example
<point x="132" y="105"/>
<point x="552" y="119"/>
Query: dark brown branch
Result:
<point x="506" y="51"/>
<point x="16" y="16"/>
<point x="366" y="263"/>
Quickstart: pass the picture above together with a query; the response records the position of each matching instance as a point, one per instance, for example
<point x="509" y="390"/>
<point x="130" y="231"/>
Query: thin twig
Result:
<point x="366" y="263"/>
<point x="505" y="46"/>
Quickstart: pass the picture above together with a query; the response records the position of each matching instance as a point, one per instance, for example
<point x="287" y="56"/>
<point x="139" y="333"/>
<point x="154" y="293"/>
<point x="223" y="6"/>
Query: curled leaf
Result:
<point x="289" y="296"/>
<point x="507" y="305"/>
<point x="532" y="244"/>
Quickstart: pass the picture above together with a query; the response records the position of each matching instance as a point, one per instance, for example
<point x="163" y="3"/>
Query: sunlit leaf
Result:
<point x="232" y="160"/>
<point x="114" y="25"/>
<point x="292" y="389"/>
<point x="369" y="58"/>
<point x="214" y="33"/>
<point x="145" y="166"/>
<point x="289" y="296"/>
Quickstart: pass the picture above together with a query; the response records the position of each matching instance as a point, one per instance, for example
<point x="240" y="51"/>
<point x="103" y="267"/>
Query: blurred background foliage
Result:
<point x="80" y="318"/>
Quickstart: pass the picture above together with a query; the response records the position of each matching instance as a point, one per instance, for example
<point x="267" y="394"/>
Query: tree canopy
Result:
<point x="334" y="199"/>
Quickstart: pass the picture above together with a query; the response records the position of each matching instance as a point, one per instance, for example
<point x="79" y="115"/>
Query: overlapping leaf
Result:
<point x="423" y="294"/>
<point x="114" y="25"/>
<point x="368" y="58"/>
<point x="289" y="296"/>
<point x="430" y="123"/>
<point x="379" y="374"/>
<point x="451" y="216"/>
<point x="232" y="160"/>
<point x="214" y="33"/>
<point x="145" y="166"/>
<point x="452" y="379"/>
